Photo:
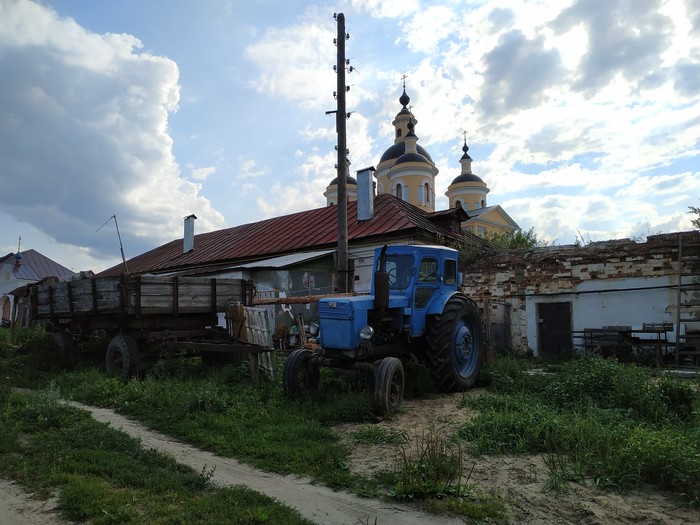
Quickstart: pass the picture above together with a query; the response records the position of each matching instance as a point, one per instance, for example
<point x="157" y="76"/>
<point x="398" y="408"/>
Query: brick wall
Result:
<point x="504" y="282"/>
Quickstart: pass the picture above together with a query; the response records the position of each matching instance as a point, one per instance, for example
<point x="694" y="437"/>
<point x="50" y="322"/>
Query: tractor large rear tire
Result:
<point x="388" y="386"/>
<point x="122" y="356"/>
<point x="456" y="345"/>
<point x="300" y="376"/>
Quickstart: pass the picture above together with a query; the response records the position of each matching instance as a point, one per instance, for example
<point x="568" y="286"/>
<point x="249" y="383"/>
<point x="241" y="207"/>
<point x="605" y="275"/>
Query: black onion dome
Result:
<point x="348" y="180"/>
<point x="411" y="157"/>
<point x="404" y="99"/>
<point x="465" y="148"/>
<point x="467" y="177"/>
<point x="395" y="151"/>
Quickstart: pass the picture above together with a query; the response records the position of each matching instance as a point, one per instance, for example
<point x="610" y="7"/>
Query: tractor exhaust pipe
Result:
<point x="381" y="285"/>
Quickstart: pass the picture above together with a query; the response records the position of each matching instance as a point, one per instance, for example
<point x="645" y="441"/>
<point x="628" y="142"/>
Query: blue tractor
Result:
<point x="415" y="311"/>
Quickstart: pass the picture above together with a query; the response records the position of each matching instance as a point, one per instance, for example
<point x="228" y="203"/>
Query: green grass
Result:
<point x="615" y="423"/>
<point x="103" y="476"/>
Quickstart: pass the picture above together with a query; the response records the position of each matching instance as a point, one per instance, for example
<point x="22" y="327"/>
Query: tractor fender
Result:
<point x="437" y="305"/>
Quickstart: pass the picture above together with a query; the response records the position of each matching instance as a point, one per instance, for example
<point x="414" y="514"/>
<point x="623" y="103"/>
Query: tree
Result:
<point x="695" y="222"/>
<point x="516" y="240"/>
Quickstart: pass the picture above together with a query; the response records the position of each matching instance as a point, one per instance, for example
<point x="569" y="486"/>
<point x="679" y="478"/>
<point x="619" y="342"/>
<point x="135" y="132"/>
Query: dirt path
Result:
<point x="18" y="508"/>
<point x="318" y="504"/>
<point x="519" y="480"/>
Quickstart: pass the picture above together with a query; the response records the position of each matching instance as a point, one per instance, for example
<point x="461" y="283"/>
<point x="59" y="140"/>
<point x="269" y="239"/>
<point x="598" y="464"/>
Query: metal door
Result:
<point x="554" y="327"/>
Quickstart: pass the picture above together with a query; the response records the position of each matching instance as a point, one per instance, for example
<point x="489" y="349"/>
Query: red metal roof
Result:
<point x="312" y="229"/>
<point x="35" y="266"/>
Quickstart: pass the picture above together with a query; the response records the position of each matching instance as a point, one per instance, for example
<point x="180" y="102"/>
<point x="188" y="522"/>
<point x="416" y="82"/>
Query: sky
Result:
<point x="582" y="116"/>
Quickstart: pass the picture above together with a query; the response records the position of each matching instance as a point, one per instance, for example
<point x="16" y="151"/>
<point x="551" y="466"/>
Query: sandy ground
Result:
<point x="518" y="480"/>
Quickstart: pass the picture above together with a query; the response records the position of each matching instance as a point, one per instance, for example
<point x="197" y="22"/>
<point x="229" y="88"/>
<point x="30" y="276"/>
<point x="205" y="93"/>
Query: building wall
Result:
<point x="612" y="283"/>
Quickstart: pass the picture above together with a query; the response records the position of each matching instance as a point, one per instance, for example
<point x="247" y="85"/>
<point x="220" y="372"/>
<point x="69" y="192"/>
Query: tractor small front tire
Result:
<point x="300" y="376"/>
<point x="388" y="386"/>
<point x="122" y="357"/>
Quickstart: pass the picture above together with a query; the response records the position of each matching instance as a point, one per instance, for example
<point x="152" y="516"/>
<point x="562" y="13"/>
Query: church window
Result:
<point x="398" y="133"/>
<point x="458" y="204"/>
<point x="483" y="203"/>
<point x="399" y="191"/>
<point x="427" y="193"/>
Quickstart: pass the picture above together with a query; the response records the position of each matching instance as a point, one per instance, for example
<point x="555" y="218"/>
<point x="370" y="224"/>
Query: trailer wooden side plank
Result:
<point x="142" y="295"/>
<point x="77" y="297"/>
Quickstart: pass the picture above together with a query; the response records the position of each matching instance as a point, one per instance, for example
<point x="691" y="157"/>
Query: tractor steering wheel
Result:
<point x="393" y="276"/>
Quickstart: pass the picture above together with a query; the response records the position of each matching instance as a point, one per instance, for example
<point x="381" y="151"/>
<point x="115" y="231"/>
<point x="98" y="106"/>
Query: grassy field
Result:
<point x="592" y="419"/>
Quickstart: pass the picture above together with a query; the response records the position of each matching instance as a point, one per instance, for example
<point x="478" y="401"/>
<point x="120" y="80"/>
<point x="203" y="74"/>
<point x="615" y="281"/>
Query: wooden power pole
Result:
<point x="340" y="117"/>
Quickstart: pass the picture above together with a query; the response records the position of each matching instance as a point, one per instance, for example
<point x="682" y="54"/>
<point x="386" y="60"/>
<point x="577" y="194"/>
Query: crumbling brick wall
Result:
<point x="501" y="282"/>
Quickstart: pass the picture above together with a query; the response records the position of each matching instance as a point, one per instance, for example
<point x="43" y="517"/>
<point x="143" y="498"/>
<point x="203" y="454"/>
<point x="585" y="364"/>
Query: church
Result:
<point x="407" y="171"/>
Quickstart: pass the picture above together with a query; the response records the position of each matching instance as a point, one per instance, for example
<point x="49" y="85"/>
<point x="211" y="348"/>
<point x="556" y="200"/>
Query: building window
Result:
<point x="483" y="203"/>
<point x="398" y="133"/>
<point x="399" y="191"/>
<point x="427" y="193"/>
<point x="458" y="204"/>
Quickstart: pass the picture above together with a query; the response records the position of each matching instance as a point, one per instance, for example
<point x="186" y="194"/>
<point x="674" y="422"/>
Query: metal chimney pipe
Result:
<point x="365" y="194"/>
<point x="188" y="238"/>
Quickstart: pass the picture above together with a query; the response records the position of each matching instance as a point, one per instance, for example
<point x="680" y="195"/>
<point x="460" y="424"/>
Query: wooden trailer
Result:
<point x="137" y="312"/>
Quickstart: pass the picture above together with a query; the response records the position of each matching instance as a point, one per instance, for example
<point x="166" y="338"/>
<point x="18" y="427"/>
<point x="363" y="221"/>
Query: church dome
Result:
<point x="348" y="180"/>
<point x="411" y="157"/>
<point x="467" y="177"/>
<point x="395" y="151"/>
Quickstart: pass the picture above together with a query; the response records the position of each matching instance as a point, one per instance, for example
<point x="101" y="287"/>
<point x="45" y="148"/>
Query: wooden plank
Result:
<point x="297" y="300"/>
<point x="259" y="331"/>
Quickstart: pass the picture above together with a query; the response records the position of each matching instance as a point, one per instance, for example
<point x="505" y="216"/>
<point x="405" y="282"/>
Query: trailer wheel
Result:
<point x="122" y="356"/>
<point x="65" y="348"/>
<point x="300" y="375"/>
<point x="388" y="386"/>
<point x="456" y="345"/>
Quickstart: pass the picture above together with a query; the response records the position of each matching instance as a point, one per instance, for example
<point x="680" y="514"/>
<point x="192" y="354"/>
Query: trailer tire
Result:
<point x="65" y="349"/>
<point x="122" y="356"/>
<point x="300" y="375"/>
<point x="455" y="345"/>
<point x="388" y="386"/>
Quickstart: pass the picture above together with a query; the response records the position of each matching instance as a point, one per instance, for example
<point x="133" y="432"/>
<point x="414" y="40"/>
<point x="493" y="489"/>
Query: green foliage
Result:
<point x="516" y="240"/>
<point x="434" y="467"/>
<point x="377" y="435"/>
<point x="256" y="424"/>
<point x="695" y="211"/>
<point x="432" y="471"/>
<point x="613" y="422"/>
<point x="103" y="476"/>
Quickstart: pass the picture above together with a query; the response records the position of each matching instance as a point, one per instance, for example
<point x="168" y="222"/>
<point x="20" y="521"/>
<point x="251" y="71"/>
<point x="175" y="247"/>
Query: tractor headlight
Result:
<point x="366" y="333"/>
<point x="313" y="329"/>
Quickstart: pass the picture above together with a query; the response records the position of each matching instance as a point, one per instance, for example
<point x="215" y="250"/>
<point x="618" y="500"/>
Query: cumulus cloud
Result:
<point x="293" y="62"/>
<point x="83" y="123"/>
<point x="625" y="37"/>
<point x="517" y="73"/>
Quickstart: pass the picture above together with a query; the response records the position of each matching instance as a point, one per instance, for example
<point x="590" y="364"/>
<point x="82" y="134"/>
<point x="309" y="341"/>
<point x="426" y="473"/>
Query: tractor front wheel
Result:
<point x="388" y="386"/>
<point x="300" y="375"/>
<point x="456" y="345"/>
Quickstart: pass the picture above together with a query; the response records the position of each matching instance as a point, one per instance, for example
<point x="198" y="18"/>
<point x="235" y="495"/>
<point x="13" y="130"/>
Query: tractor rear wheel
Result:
<point x="456" y="345"/>
<point x="122" y="356"/>
<point x="300" y="375"/>
<point x="388" y="386"/>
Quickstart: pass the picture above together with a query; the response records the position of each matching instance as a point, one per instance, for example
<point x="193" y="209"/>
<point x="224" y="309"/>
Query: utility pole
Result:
<point x="342" y="165"/>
